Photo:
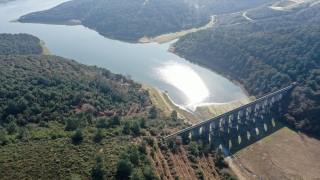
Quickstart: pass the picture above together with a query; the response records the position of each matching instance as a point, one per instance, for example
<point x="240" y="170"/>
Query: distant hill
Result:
<point x="134" y="19"/>
<point x="265" y="56"/>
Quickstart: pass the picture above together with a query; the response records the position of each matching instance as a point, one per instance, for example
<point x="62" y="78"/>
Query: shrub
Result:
<point x="78" y="135"/>
<point x="12" y="127"/>
<point x="150" y="173"/>
<point x="126" y="128"/>
<point x="143" y="147"/>
<point x="135" y="128"/>
<point x="44" y="124"/>
<point x="98" y="135"/>
<point x="124" y="167"/>
<point x="149" y="140"/>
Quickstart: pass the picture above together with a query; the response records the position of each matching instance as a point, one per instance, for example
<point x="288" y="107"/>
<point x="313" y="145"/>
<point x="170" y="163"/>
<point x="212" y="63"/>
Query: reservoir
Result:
<point x="188" y="85"/>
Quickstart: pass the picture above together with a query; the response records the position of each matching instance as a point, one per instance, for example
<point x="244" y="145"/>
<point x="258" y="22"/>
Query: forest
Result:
<point x="265" y="56"/>
<point x="132" y="20"/>
<point x="64" y="120"/>
<point x="128" y="20"/>
<point x="19" y="44"/>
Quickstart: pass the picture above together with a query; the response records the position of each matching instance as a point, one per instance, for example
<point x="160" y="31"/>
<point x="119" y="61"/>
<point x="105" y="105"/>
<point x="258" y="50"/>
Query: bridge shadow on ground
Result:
<point x="245" y="135"/>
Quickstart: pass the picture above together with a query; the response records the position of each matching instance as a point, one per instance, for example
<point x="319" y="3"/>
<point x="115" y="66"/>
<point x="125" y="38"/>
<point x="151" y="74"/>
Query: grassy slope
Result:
<point x="171" y="36"/>
<point x="210" y="111"/>
<point x="156" y="99"/>
<point x="191" y="118"/>
<point x="46" y="51"/>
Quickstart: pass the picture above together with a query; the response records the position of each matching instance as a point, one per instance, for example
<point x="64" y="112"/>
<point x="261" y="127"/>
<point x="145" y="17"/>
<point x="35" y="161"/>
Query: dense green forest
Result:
<point x="132" y="20"/>
<point x="129" y="20"/>
<point x="19" y="44"/>
<point x="38" y="88"/>
<point x="265" y="56"/>
<point x="61" y="88"/>
<point x="57" y="103"/>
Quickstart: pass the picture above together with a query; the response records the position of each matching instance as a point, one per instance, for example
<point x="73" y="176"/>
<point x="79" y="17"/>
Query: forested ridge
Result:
<point x="265" y="56"/>
<point x="19" y="44"/>
<point x="128" y="20"/>
<point x="36" y="88"/>
<point x="132" y="20"/>
<point x="46" y="99"/>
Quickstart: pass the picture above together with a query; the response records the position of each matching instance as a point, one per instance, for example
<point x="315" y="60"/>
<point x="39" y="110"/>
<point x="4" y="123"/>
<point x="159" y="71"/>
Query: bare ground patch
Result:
<point x="285" y="154"/>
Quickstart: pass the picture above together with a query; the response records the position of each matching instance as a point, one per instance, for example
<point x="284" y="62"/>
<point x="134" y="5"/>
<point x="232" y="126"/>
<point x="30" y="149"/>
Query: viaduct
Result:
<point x="239" y="116"/>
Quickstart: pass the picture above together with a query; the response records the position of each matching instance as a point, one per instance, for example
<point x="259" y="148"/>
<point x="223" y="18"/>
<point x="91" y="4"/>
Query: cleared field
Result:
<point x="156" y="99"/>
<point x="190" y="117"/>
<point x="210" y="111"/>
<point x="284" y="154"/>
<point x="171" y="36"/>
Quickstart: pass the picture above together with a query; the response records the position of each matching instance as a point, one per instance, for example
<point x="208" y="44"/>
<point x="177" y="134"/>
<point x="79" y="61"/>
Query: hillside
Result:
<point x="19" y="44"/>
<point x="128" y="20"/>
<point x="64" y="120"/>
<point x="132" y="20"/>
<point x="265" y="56"/>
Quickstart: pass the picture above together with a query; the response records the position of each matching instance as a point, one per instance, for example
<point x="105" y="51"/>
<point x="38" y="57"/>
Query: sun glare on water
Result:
<point x="185" y="79"/>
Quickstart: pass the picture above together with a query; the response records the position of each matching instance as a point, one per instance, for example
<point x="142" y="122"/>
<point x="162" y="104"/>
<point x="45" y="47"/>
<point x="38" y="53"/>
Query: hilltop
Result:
<point x="133" y="20"/>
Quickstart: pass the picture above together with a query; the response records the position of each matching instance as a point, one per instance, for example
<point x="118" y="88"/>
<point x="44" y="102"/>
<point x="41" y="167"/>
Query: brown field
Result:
<point x="284" y="154"/>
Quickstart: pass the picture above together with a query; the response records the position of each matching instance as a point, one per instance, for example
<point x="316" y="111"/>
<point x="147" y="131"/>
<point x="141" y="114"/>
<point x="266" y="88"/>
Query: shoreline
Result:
<point x="45" y="50"/>
<point x="164" y="38"/>
<point x="163" y="102"/>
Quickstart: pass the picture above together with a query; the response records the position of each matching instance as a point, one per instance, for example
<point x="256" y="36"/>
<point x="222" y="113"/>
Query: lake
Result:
<point x="188" y="85"/>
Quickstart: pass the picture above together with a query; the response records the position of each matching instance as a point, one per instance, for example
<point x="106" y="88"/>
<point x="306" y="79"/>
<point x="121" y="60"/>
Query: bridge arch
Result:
<point x="215" y="128"/>
<point x="242" y="115"/>
<point x="224" y="121"/>
<point x="249" y="113"/>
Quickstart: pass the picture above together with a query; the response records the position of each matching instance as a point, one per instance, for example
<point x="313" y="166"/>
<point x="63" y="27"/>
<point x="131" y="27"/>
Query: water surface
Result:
<point x="188" y="84"/>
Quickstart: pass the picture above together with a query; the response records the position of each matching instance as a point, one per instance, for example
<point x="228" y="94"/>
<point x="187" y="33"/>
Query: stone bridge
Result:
<point x="243" y="115"/>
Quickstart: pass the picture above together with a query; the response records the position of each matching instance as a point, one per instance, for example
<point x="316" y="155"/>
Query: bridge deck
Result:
<point x="232" y="111"/>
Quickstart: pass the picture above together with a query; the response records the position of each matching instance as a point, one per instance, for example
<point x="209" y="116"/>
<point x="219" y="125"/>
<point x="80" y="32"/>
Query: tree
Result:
<point x="143" y="121"/>
<point x="98" y="135"/>
<point x="3" y="137"/>
<point x="153" y="113"/>
<point x="193" y="147"/>
<point x="23" y="133"/>
<point x="126" y="128"/>
<point x="133" y="154"/>
<point x="72" y="124"/>
<point x="116" y="121"/>
<point x="98" y="170"/>
<point x="136" y="127"/>
<point x="137" y="175"/>
<point x="12" y="127"/>
<point x="143" y="147"/>
<point x="174" y="115"/>
<point x="149" y="173"/>
<point x="102" y="123"/>
<point x="124" y="167"/>
<point x="78" y="135"/>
